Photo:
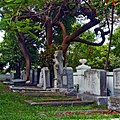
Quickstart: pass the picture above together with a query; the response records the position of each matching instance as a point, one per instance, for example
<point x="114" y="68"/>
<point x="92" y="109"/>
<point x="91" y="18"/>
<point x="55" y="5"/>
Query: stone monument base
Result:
<point x="114" y="103"/>
<point x="100" y="100"/>
<point x="55" y="89"/>
<point x="19" y="82"/>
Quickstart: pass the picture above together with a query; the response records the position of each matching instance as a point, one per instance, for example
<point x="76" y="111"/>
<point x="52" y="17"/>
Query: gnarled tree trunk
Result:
<point x="25" y="54"/>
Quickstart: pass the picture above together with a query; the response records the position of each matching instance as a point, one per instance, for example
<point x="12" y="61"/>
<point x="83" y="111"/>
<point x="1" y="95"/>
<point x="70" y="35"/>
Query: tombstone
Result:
<point x="79" y="75"/>
<point x="94" y="87"/>
<point x="114" y="101"/>
<point x="67" y="78"/>
<point x="58" y="69"/>
<point x="116" y="77"/>
<point x="95" y="82"/>
<point x="31" y="77"/>
<point x="44" y="80"/>
<point x="110" y="88"/>
<point x="36" y="76"/>
<point x="22" y="75"/>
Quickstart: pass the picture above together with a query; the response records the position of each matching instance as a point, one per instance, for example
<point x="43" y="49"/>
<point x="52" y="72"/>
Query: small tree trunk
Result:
<point x="25" y="54"/>
<point x="111" y="34"/>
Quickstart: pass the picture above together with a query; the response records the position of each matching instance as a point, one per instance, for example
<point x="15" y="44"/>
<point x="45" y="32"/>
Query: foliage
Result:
<point x="116" y="42"/>
<point x="95" y="55"/>
<point x="30" y="18"/>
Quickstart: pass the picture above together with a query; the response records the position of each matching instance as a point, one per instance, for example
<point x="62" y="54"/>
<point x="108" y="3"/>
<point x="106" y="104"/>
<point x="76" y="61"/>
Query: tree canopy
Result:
<point x="38" y="22"/>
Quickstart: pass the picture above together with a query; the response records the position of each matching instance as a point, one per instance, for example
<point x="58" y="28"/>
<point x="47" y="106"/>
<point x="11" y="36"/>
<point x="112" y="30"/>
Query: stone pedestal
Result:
<point x="114" y="103"/>
<point x="100" y="100"/>
<point x="18" y="82"/>
<point x="79" y="75"/>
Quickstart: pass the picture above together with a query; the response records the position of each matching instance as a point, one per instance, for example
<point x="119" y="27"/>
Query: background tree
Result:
<point x="26" y="18"/>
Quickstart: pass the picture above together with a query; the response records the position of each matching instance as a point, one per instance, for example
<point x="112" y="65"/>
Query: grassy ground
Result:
<point x="13" y="107"/>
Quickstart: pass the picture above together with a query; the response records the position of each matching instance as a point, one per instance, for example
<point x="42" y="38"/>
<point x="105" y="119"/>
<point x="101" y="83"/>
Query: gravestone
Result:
<point x="31" y="77"/>
<point x="114" y="101"/>
<point x="23" y="75"/>
<point x="94" y="86"/>
<point x="58" y="68"/>
<point x="44" y="80"/>
<point x="36" y="76"/>
<point x="95" y="82"/>
<point x="67" y="78"/>
<point x="116" y="77"/>
<point x="110" y="88"/>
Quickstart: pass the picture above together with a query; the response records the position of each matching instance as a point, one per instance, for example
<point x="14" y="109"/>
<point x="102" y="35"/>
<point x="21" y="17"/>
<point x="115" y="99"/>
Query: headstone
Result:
<point x="110" y="88"/>
<point x="58" y="69"/>
<point x="116" y="77"/>
<point x="36" y="76"/>
<point x="44" y="80"/>
<point x="95" y="82"/>
<point x="31" y="77"/>
<point x="67" y="78"/>
<point x="114" y="101"/>
<point x="23" y="75"/>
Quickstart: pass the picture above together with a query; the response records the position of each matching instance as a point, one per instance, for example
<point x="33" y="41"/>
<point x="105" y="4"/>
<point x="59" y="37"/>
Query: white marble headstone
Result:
<point x="116" y="81"/>
<point x="95" y="82"/>
<point x="44" y="80"/>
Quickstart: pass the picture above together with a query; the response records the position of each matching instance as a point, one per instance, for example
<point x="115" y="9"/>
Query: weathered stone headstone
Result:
<point x="94" y="86"/>
<point x="116" y="75"/>
<point x="95" y="82"/>
<point x="22" y="75"/>
<point x="36" y="76"/>
<point x="114" y="101"/>
<point x="110" y="87"/>
<point x="67" y="78"/>
<point x="44" y="80"/>
<point x="31" y="77"/>
<point x="58" y="69"/>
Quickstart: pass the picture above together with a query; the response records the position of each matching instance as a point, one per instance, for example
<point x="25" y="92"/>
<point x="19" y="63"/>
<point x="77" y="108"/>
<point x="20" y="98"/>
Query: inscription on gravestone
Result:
<point x="117" y="82"/>
<point x="94" y="82"/>
<point x="64" y="80"/>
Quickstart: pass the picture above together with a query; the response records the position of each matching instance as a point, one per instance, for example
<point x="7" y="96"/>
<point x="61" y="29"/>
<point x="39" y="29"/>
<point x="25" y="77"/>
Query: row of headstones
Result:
<point x="41" y="78"/>
<point x="97" y="81"/>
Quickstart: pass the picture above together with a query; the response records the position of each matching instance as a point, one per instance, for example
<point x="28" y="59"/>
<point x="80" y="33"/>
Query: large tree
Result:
<point x="26" y="18"/>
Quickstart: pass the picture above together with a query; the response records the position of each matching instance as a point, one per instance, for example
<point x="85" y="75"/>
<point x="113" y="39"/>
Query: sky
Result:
<point x="1" y="35"/>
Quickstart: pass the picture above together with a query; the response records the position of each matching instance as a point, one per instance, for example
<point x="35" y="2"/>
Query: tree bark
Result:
<point x="25" y="54"/>
<point x="111" y="34"/>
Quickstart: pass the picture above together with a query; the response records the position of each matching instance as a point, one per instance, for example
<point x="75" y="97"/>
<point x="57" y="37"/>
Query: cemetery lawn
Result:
<point x="13" y="107"/>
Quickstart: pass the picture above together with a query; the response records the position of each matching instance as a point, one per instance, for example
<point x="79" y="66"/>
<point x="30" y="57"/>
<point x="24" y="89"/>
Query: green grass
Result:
<point x="13" y="107"/>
